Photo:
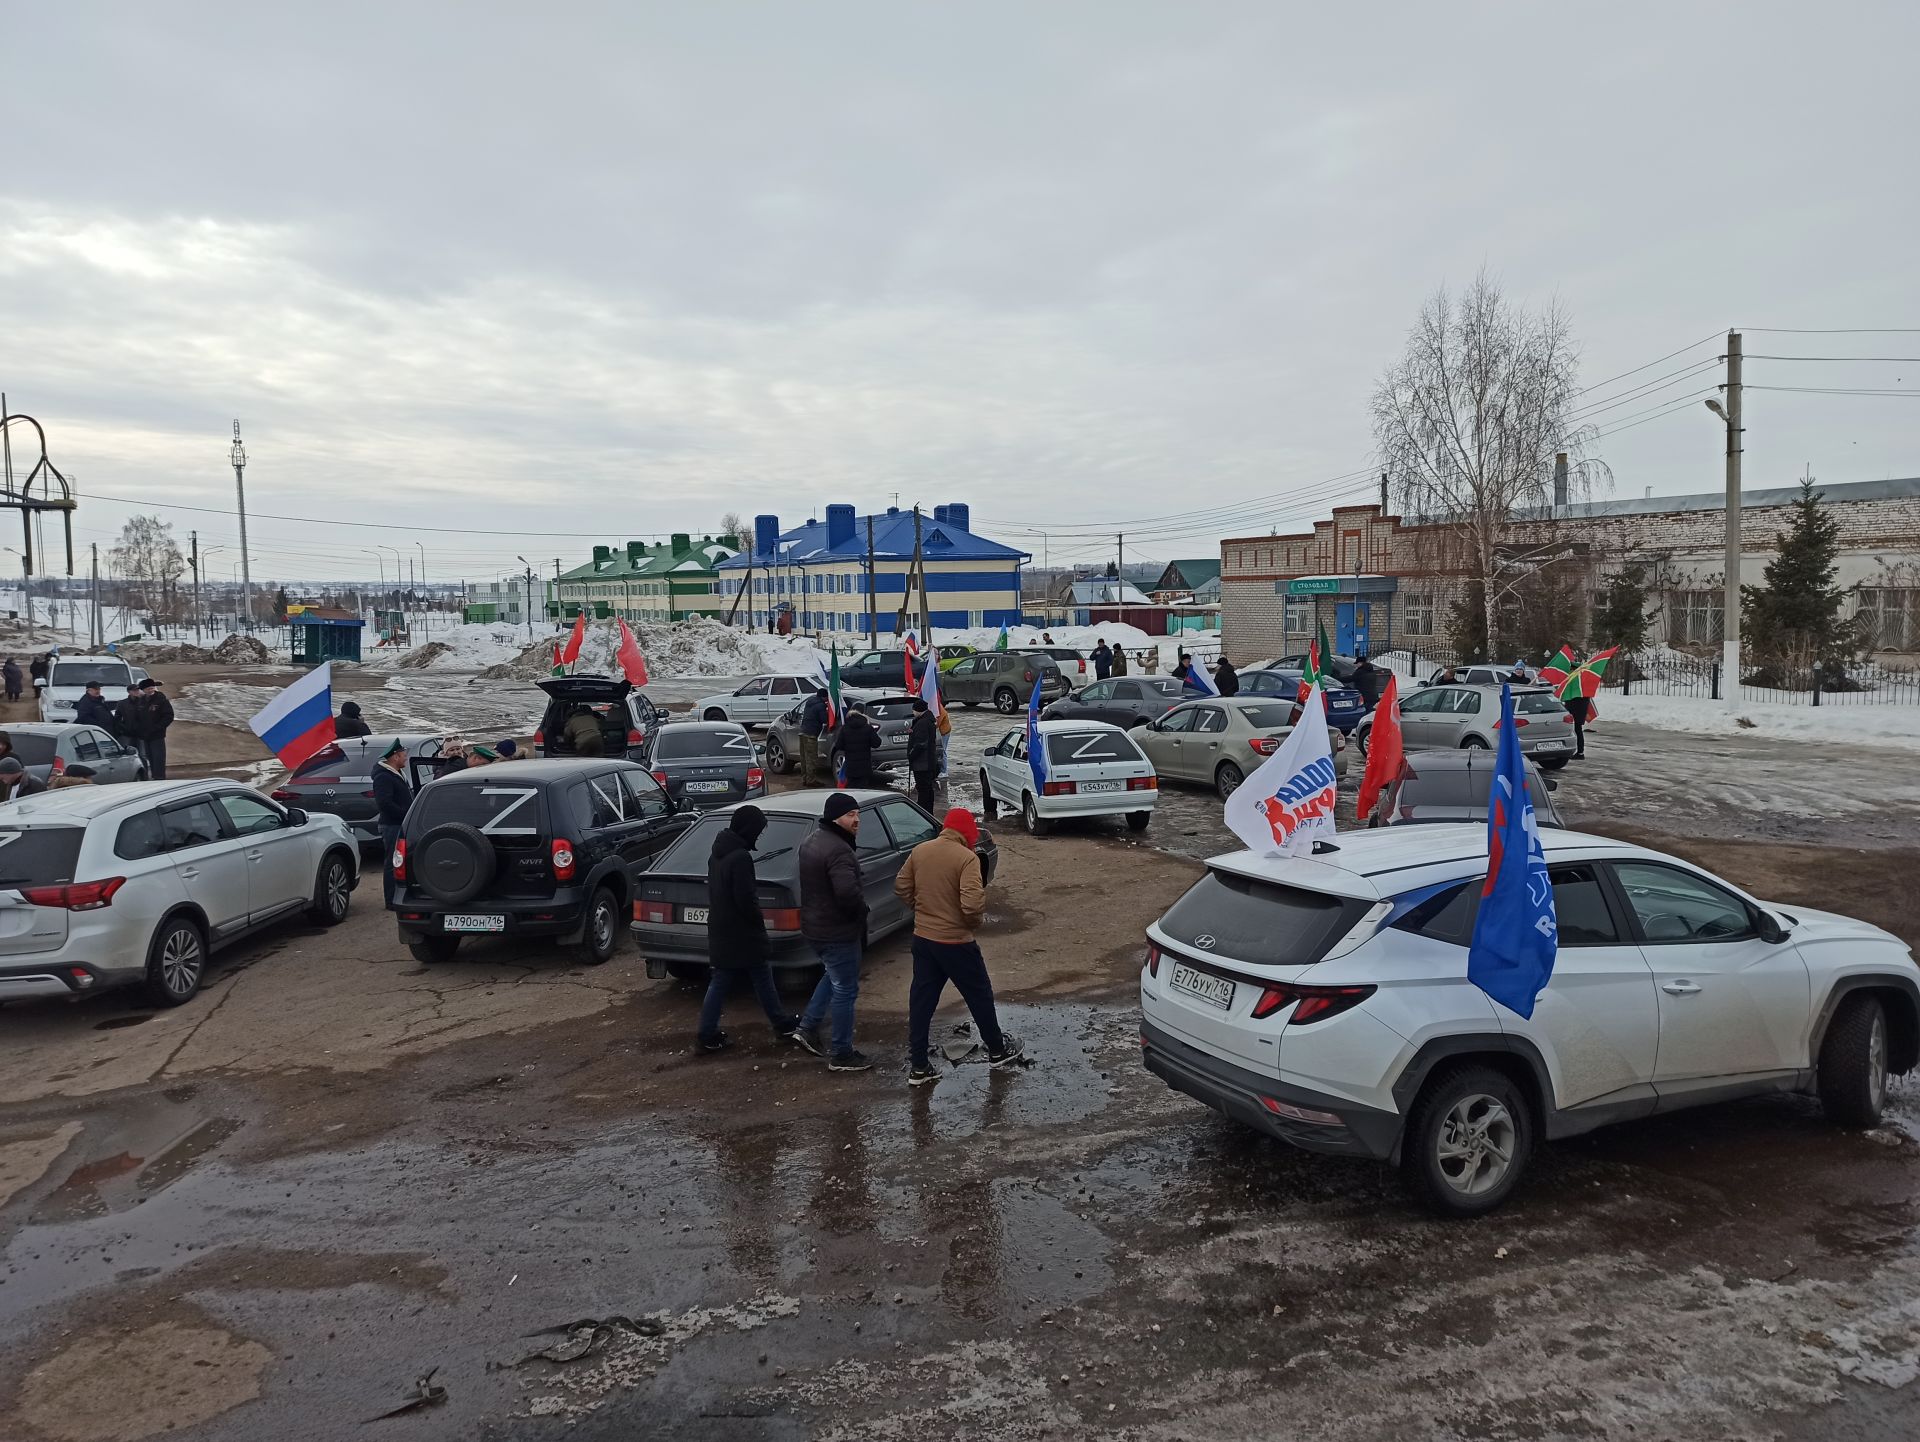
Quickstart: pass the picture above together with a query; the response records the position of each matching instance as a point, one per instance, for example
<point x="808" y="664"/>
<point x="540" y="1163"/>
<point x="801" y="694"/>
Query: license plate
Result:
<point x="1346" y="705"/>
<point x="473" y="923"/>
<point x="694" y="915"/>
<point x="1550" y="746"/>
<point x="1213" y="990"/>
<point x="1099" y="785"/>
<point x="706" y="787"/>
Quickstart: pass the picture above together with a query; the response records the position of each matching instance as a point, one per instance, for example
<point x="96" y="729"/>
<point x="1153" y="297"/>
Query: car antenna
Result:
<point x="1321" y="848"/>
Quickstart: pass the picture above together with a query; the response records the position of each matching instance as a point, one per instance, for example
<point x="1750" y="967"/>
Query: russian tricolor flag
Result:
<point x="299" y="721"/>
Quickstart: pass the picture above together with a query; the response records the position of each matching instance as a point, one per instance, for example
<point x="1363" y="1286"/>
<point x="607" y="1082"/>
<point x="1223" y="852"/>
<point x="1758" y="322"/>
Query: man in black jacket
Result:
<point x="856" y="743"/>
<point x="833" y="918"/>
<point x="923" y="752"/>
<point x="92" y="709"/>
<point x="1226" y="680"/>
<point x="813" y="721"/>
<point x="351" y="722"/>
<point x="156" y="715"/>
<point x="392" y="795"/>
<point x="737" y="932"/>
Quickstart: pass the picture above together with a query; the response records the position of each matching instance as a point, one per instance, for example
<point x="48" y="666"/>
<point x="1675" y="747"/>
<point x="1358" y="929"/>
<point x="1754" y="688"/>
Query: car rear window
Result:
<point x="32" y="750"/>
<point x="505" y="812"/>
<point x="39" y="856"/>
<point x="888" y="710"/>
<point x="678" y="743"/>
<point x="1259" y="921"/>
<point x="1269" y="717"/>
<point x="89" y="673"/>
<point x="325" y="759"/>
<point x="1067" y="748"/>
<point x="1537" y="703"/>
<point x="1447" y="788"/>
<point x="1165" y="685"/>
<point x="688" y="856"/>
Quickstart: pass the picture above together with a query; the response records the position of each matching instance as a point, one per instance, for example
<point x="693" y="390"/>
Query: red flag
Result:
<point x="571" y="651"/>
<point x="633" y="665"/>
<point x="909" y="650"/>
<point x="1384" y="751"/>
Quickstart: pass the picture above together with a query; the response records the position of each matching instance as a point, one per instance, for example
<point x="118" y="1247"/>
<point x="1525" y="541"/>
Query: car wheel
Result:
<point x="1004" y="700"/>
<point x="601" y="936"/>
<point x="689" y="971"/>
<point x="1031" y="819"/>
<point x="1360" y="735"/>
<point x="176" y="961"/>
<point x="1227" y="779"/>
<point x="970" y="705"/>
<point x="332" y="891"/>
<point x="1467" y="1141"/>
<point x="834" y="763"/>
<point x="777" y="756"/>
<point x="989" y="808"/>
<point x="1136" y="721"/>
<point x="1137" y="820"/>
<point x="1559" y="763"/>
<point x="1473" y="743"/>
<point x="430" y="949"/>
<point x="713" y="713"/>
<point x="1853" y="1063"/>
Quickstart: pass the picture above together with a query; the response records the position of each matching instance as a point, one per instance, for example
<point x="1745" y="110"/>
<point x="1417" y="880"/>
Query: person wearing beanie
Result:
<point x="923" y="752"/>
<point x="392" y="795"/>
<point x="942" y="883"/>
<point x="350" y="722"/>
<point x="737" y="932"/>
<point x="833" y="918"/>
<point x="508" y="750"/>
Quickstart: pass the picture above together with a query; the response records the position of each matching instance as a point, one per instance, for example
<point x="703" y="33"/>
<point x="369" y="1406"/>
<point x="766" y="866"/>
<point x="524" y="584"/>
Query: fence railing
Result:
<point x="1866" y="684"/>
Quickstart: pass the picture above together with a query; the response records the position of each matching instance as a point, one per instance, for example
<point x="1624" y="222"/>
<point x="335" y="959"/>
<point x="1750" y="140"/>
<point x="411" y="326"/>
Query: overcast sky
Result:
<point x="621" y="269"/>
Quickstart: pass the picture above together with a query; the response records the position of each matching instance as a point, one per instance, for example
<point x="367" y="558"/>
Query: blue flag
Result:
<point x="1036" y="743"/>
<point x="1515" y="935"/>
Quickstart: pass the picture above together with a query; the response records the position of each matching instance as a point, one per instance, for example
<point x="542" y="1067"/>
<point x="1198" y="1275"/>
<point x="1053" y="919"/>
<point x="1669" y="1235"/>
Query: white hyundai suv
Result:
<point x="105" y="886"/>
<point x="1325" y="1002"/>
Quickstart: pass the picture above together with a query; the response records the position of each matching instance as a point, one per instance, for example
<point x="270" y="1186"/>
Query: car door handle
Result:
<point x="1678" y="988"/>
<point x="189" y="872"/>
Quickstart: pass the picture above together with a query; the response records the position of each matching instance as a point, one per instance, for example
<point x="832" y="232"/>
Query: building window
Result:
<point x="1694" y="618"/>
<point x="1416" y="613"/>
<point x="1892" y="616"/>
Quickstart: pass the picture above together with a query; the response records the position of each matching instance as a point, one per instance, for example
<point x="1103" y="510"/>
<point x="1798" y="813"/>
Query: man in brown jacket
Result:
<point x="941" y="882"/>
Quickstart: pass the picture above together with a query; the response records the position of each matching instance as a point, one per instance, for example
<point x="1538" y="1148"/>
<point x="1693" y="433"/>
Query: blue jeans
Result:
<point x="935" y="963"/>
<point x="945" y="741"/>
<point x="838" y="988"/>
<point x="725" y="980"/>
<point x="388" y="836"/>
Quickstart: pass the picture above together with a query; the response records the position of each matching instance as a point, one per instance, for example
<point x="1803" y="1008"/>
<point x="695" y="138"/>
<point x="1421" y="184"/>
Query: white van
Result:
<point x="69" y="677"/>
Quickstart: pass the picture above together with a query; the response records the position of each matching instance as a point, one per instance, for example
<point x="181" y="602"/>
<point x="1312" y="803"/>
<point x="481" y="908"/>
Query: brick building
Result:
<point x="1375" y="583"/>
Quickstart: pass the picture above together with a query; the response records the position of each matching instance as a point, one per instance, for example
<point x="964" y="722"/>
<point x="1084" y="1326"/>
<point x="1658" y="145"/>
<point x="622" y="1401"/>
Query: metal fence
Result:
<point x="1868" y="684"/>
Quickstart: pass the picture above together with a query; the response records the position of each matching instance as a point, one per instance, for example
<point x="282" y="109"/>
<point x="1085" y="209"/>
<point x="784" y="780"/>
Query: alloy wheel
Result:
<point x="181" y="959"/>
<point x="1475" y="1143"/>
<point x="1877" y="1061"/>
<point x="339" y="891"/>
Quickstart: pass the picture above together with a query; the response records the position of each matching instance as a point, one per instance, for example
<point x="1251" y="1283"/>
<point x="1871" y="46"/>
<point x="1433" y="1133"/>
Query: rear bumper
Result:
<point x="46" y="976"/>
<point x="687" y="946"/>
<point x="1100" y="803"/>
<point x="1237" y="1092"/>
<point x="563" y="915"/>
<point x="708" y="802"/>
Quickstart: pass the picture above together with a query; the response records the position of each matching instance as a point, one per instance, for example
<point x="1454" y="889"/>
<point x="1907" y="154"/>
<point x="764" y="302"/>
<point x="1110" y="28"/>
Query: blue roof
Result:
<point x="892" y="541"/>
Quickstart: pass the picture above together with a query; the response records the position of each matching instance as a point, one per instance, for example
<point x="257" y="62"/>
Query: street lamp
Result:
<point x="1729" y="415"/>
<point x="529" y="565"/>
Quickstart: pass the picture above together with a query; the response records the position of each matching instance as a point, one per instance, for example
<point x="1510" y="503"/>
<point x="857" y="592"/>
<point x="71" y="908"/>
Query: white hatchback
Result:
<point x="1093" y="769"/>
<point x="134" y="885"/>
<point x="1325" y="1002"/>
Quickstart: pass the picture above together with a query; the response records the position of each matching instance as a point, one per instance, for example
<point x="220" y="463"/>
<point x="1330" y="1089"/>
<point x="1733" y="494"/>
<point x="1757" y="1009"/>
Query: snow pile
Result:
<point x="152" y="653"/>
<point x="241" y="650"/>
<point x="422" y="658"/>
<point x="472" y="646"/>
<point x="1866" y="725"/>
<point x="697" y="646"/>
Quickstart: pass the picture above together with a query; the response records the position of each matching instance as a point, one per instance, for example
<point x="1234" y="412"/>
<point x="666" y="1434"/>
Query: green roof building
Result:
<point x="636" y="582"/>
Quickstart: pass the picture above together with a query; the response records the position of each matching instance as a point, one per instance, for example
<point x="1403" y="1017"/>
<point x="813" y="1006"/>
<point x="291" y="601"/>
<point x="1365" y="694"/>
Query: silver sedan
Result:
<point x="1446" y="717"/>
<point x="1217" y="742"/>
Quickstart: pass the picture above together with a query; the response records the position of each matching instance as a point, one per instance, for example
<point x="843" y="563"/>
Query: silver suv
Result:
<point x="135" y="885"/>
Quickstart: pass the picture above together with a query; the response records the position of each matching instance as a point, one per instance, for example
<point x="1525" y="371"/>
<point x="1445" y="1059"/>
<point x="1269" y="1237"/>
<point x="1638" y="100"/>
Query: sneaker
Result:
<point x="717" y="1042"/>
<point x="922" y="1075"/>
<point x="850" y="1061"/>
<point x="1011" y="1050"/>
<point x="810" y="1038"/>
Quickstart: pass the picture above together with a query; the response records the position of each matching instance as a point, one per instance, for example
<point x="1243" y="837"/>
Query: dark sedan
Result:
<point x="1453" y="786"/>
<point x="670" y="909"/>
<point x="704" y="764"/>
<point x="1122" y="701"/>
<point x="1346" y="707"/>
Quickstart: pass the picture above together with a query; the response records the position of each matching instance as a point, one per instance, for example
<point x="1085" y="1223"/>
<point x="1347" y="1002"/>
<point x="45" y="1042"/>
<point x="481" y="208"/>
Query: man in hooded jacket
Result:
<point x="737" y="932"/>
<point x="833" y="918"/>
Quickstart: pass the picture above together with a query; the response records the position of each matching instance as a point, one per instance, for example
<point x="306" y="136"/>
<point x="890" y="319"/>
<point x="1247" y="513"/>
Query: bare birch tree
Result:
<point x="1468" y="422"/>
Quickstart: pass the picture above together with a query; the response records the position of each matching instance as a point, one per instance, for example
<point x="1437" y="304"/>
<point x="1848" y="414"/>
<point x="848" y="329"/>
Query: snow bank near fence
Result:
<point x="697" y="646"/>
<point x="1866" y="725"/>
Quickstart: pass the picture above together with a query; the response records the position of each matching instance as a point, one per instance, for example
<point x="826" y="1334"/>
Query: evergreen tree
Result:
<point x="1467" y="623"/>
<point x="1621" y="617"/>
<point x="1794" y="619"/>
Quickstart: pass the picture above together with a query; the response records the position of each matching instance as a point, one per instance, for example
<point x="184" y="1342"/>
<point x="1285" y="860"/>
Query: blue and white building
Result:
<point x="822" y="572"/>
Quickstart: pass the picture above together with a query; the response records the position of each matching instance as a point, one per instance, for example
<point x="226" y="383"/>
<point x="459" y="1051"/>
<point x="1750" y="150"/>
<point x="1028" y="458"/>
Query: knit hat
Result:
<point x="838" y="805"/>
<point x="961" y="820"/>
<point x="349" y="708"/>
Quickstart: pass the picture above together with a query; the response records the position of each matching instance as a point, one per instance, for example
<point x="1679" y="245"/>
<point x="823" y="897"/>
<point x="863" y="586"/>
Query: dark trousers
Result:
<point x="923" y="789"/>
<point x="1578" y="711"/>
<point x="389" y="836"/>
<point x="154" y="748"/>
<point x="935" y="963"/>
<point x="725" y="980"/>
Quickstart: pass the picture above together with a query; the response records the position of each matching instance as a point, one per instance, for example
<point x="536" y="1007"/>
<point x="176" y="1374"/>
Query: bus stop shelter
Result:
<point x="319" y="633"/>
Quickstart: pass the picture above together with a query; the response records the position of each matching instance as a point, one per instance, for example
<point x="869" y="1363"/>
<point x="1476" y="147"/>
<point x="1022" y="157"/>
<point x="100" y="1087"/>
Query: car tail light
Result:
<point x="783" y="918"/>
<point x="540" y="738"/>
<point x="286" y="794"/>
<point x="1059" y="788"/>
<point x="400" y="859"/>
<point x="1026" y="676"/>
<point x="1265" y="745"/>
<point x="755" y="777"/>
<point x="1293" y="718"/>
<point x="562" y="859"/>
<point x="1310" y="1003"/>
<point x="635" y="736"/>
<point x="59" y="766"/>
<point x="75" y="896"/>
<point x="1143" y="783"/>
<point x="1300" y="1114"/>
<point x="661" y="777"/>
<point x="81" y="976"/>
<point x="653" y="913"/>
<point x="1153" y="960"/>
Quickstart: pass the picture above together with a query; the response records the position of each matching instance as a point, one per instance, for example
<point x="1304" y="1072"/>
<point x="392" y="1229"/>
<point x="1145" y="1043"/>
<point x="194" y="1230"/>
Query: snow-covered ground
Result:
<point x="1868" y="725"/>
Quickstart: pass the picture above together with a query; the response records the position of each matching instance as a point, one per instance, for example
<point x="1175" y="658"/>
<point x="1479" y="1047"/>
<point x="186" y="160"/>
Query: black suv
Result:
<point x="626" y="716"/>
<point x="529" y="848"/>
<point x="882" y="668"/>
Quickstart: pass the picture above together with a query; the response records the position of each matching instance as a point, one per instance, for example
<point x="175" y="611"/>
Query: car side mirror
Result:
<point x="1769" y="927"/>
<point x="296" y="817"/>
<point x="991" y="751"/>
<point x="1552" y="785"/>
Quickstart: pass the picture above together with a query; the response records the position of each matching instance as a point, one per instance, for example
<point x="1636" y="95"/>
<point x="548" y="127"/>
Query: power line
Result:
<point x="1685" y="403"/>
<point x="368" y="525"/>
<point x="1642" y="392"/>
<point x="1671" y="400"/>
<point x="1836" y="330"/>
<point x="1888" y="358"/>
<point x="1838" y="390"/>
<point x="1597" y="385"/>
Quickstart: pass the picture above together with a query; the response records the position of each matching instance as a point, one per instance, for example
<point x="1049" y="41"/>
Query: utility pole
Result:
<point x="94" y="629"/>
<point x="873" y="595"/>
<point x="529" y="565"/>
<point x="193" y="538"/>
<point x="426" y="602"/>
<point x="1730" y="607"/>
<point x="1120" y="567"/>
<point x="239" y="457"/>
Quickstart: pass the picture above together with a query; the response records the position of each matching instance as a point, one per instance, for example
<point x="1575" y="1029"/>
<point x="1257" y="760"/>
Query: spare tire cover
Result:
<point x="453" y="862"/>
